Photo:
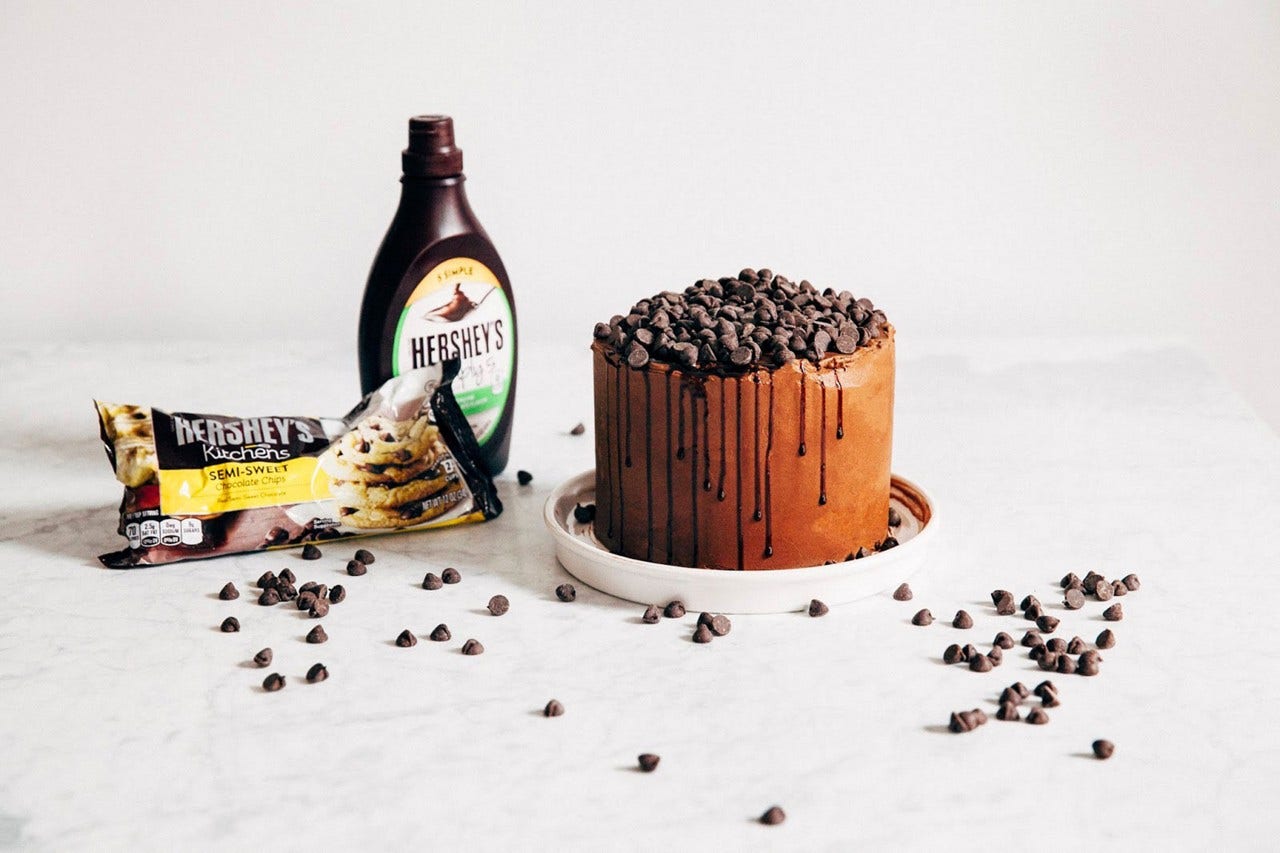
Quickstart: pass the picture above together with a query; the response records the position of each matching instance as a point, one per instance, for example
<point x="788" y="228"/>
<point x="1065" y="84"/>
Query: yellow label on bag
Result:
<point x="241" y="485"/>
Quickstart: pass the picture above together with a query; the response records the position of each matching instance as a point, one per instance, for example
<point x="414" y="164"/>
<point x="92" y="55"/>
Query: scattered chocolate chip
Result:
<point x="980" y="663"/>
<point x="1066" y="664"/>
<point x="1021" y="689"/>
<point x="1076" y="646"/>
<point x="566" y="592"/>
<point x="318" y="672"/>
<point x="963" y="620"/>
<point x="365" y="556"/>
<point x="702" y="634"/>
<point x="338" y="594"/>
<point x="1037" y="717"/>
<point x="648" y="762"/>
<point x="432" y="581"/>
<point x="1004" y="605"/>
<point x="273" y="682"/>
<point x="441" y="633"/>
<point x="1048" y="624"/>
<point x="1056" y="644"/>
<point x="1033" y="612"/>
<point x="997" y="594"/>
<point x="356" y="568"/>
<point x="1131" y="581"/>
<point x="1106" y="639"/>
<point x="578" y="429"/>
<point x="472" y="647"/>
<point x="1114" y="613"/>
<point x="922" y="617"/>
<point x="499" y="605"/>
<point x="230" y="625"/>
<point x="309" y="586"/>
<point x="996" y="656"/>
<point x="1009" y="712"/>
<point x="1090" y="582"/>
<point x="1073" y="599"/>
<point x="451" y="575"/>
<point x="720" y="625"/>
<point x="704" y="618"/>
<point x="1091" y="654"/>
<point x="1009" y="694"/>
<point x="902" y="593"/>
<point x="1069" y="580"/>
<point x="970" y="651"/>
<point x="1031" y="639"/>
<point x="263" y="657"/>
<point x="287" y="576"/>
<point x="584" y="513"/>
<point x="1087" y="666"/>
<point x="1103" y="591"/>
<point x="651" y="615"/>
<point x="1003" y="641"/>
<point x="1048" y="661"/>
<point x="269" y="597"/>
<point x="311" y="552"/>
<point x="524" y="478"/>
<point x="406" y="639"/>
<point x="953" y="654"/>
<point x="318" y="609"/>
<point x="774" y="816"/>
<point x="674" y="610"/>
<point x="266" y="580"/>
<point x="1103" y="749"/>
<point x="229" y="592"/>
<point x="286" y="590"/>
<point x="305" y="600"/>
<point x="317" y="635"/>
<point x="817" y="608"/>
<point x="1118" y="588"/>
<point x="553" y="709"/>
<point x="966" y="721"/>
<point x="1037" y="652"/>
<point x="1044" y="687"/>
<point x="1028" y="602"/>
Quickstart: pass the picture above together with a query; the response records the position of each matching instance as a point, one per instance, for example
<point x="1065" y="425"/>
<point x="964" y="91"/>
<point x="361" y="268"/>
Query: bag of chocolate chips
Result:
<point x="199" y="485"/>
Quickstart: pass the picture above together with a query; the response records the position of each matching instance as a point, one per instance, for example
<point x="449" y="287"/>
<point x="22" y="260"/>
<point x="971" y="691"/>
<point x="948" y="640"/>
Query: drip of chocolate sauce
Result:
<point x="822" y="449"/>
<point x="723" y="418"/>
<point x="670" y="491"/>
<point x="803" y="420"/>
<point x="839" y="407"/>
<point x="648" y="469"/>
<point x="693" y="471"/>
<point x="737" y="395"/>
<point x="680" y="406"/>
<point x="706" y="442"/>
<point x="626" y="404"/>
<point x="755" y="515"/>
<point x="768" y="485"/>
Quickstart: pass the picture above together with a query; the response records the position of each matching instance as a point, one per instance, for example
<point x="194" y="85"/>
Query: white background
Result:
<point x="226" y="171"/>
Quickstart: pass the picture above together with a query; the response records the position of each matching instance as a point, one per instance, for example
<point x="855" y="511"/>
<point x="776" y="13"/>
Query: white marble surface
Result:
<point x="127" y="721"/>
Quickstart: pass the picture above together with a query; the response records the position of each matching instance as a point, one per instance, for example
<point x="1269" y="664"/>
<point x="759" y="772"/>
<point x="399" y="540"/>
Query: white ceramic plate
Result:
<point x="771" y="591"/>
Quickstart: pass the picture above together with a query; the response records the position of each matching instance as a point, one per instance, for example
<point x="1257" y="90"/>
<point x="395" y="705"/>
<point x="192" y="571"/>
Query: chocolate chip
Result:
<point x="499" y="605"/>
<point x="524" y="478"/>
<point x="966" y="721"/>
<point x="319" y="609"/>
<point x="566" y="592"/>
<point x="774" y="816"/>
<point x="1069" y="580"/>
<point x="1050" y="700"/>
<point x="1031" y="639"/>
<point x="309" y="586"/>
<point x="1033" y="612"/>
<point x="1073" y="599"/>
<point x="578" y="429"/>
<point x="318" y="672"/>
<point x="1048" y="661"/>
<point x="1106" y="639"/>
<point x="310" y="552"/>
<point x="1048" y="624"/>
<point x="584" y="513"/>
<point x="365" y="556"/>
<point x="1131" y="582"/>
<point x="1118" y="588"/>
<point x="1038" y="652"/>
<point x="980" y="663"/>
<point x="1087" y="666"/>
<point x="273" y="682"/>
<point x="1103" y="749"/>
<point x="817" y="608"/>
<point x="1009" y="712"/>
<point x="267" y="580"/>
<point x="1091" y="654"/>
<point x="1057" y="644"/>
<point x="1076" y="646"/>
<point x="922" y="617"/>
<point x="969" y="651"/>
<point x="263" y="657"/>
<point x="1021" y="689"/>
<point x="230" y="625"/>
<point x="269" y="597"/>
<point x="1003" y="641"/>
<point x="553" y="709"/>
<point x="674" y="610"/>
<point x="472" y="647"/>
<point x="895" y="520"/>
<point x="451" y="575"/>
<point x="1004" y="605"/>
<point x="720" y="625"/>
<point x="997" y="594"/>
<point x="1103" y="591"/>
<point x="1066" y="664"/>
<point x="338" y="594"/>
<point x="356" y="568"/>
<point x="1037" y="717"/>
<point x="651" y="615"/>
<point x="432" y="581"/>
<point x="229" y="592"/>
<point x="963" y="620"/>
<point x="953" y="654"/>
<point x="1090" y="582"/>
<point x="317" y="635"/>
<point x="648" y="762"/>
<point x="286" y="590"/>
<point x="287" y="576"/>
<point x="902" y="593"/>
<point x="1028" y="602"/>
<point x="1114" y="613"/>
<point x="1011" y="696"/>
<point x="406" y="639"/>
<point x="996" y="656"/>
<point x="305" y="600"/>
<point x="702" y="634"/>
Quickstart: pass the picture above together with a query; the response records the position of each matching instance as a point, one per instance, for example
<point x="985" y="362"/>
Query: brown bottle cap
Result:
<point x="431" y="152"/>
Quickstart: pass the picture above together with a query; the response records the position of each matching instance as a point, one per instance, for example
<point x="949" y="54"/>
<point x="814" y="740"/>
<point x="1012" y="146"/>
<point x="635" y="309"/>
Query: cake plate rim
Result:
<point x="725" y="591"/>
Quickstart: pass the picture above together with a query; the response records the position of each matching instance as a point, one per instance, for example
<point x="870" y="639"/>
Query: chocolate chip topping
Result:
<point x="229" y="592"/>
<point x="648" y="762"/>
<point x="553" y="709"/>
<point x="499" y="605"/>
<point x="922" y="617"/>
<point x="754" y="320"/>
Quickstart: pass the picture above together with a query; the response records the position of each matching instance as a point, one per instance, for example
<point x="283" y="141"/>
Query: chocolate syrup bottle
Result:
<point x="438" y="290"/>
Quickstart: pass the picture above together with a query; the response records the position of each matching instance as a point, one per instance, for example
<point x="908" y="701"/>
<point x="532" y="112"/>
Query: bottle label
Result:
<point x="460" y="310"/>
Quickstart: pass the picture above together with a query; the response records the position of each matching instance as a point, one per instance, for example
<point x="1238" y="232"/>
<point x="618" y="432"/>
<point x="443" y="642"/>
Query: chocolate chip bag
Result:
<point x="199" y="485"/>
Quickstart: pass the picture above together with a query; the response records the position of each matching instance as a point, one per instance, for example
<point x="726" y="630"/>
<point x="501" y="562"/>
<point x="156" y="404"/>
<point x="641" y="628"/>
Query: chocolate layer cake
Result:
<point x="744" y="423"/>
